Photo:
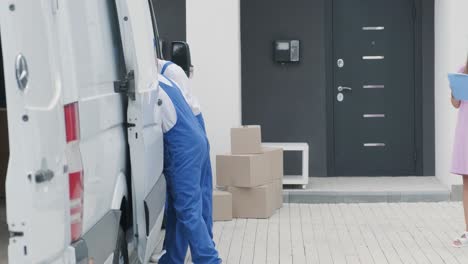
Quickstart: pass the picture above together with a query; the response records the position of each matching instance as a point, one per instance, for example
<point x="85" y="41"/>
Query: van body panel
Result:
<point x="155" y="237"/>
<point x="120" y="192"/>
<point x="90" y="47"/>
<point x="100" y="177"/>
<point x="75" y="52"/>
<point x="35" y="210"/>
<point x="145" y="135"/>
<point x="154" y="205"/>
<point x="92" y="60"/>
<point x="100" y="114"/>
<point x="102" y="238"/>
<point x="110" y="259"/>
<point x="89" y="55"/>
<point x="103" y="146"/>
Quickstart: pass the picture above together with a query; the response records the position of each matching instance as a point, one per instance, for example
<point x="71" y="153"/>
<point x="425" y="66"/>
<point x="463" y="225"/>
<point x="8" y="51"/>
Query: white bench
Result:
<point x="295" y="179"/>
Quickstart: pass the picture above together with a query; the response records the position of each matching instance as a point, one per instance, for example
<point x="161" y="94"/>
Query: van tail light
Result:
<point x="76" y="204"/>
<point x="75" y="170"/>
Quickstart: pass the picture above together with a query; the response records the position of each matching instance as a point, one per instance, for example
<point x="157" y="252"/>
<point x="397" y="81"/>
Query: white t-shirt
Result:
<point x="168" y="112"/>
<point x="177" y="74"/>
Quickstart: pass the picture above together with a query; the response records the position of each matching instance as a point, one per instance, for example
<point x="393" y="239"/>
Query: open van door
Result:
<point x="144" y="123"/>
<point x="37" y="185"/>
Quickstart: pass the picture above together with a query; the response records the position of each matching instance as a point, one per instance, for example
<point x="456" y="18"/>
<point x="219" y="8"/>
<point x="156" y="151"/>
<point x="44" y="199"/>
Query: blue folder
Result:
<point x="459" y="85"/>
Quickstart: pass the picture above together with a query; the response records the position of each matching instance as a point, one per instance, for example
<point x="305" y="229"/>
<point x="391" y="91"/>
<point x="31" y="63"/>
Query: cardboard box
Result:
<point x="242" y="170"/>
<point x="279" y="193"/>
<point x="222" y="206"/>
<point x="246" y="140"/>
<point x="258" y="202"/>
<point x="275" y="162"/>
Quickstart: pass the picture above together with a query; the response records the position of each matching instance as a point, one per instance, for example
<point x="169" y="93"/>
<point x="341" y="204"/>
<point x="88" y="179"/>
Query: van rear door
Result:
<point x="144" y="123"/>
<point x="37" y="189"/>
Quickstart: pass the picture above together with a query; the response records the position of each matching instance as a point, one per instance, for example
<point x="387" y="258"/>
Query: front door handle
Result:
<point x="342" y="88"/>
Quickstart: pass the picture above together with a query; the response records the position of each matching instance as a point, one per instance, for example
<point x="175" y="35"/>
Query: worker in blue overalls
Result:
<point x="189" y="180"/>
<point x="177" y="74"/>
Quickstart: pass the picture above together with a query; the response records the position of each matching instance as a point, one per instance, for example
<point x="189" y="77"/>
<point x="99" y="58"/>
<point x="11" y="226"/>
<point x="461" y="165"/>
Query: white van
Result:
<point x="84" y="179"/>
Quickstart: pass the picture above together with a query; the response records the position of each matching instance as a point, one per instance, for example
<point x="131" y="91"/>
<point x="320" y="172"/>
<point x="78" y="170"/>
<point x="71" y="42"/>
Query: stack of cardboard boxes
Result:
<point x="251" y="174"/>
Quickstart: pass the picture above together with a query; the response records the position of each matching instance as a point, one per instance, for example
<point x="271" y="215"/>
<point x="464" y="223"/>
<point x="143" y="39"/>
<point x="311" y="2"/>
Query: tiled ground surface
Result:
<point x="402" y="233"/>
<point x="346" y="233"/>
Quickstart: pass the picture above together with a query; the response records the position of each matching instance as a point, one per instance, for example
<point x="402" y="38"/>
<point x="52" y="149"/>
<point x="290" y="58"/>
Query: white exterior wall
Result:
<point x="213" y="31"/>
<point x="451" y="48"/>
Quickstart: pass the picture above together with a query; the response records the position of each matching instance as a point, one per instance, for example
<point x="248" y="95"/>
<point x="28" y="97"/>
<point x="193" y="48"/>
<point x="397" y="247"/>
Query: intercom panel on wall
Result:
<point x="287" y="51"/>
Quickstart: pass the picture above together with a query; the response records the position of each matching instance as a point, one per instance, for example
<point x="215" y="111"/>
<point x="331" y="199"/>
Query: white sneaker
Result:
<point x="157" y="256"/>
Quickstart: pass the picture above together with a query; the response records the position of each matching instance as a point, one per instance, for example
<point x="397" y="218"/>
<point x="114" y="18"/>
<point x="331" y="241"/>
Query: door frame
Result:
<point x="424" y="82"/>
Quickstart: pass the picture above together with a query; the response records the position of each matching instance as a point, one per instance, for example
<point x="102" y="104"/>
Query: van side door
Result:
<point x="145" y="136"/>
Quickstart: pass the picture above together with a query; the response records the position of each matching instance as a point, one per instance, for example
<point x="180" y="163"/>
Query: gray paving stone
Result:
<point x="364" y="197"/>
<point x="434" y="196"/>
<point x="313" y="197"/>
<point x="394" y="197"/>
<point x="373" y="190"/>
<point x="379" y="233"/>
<point x="457" y="193"/>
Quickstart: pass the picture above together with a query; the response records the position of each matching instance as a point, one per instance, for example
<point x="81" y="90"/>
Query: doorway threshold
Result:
<point x="369" y="190"/>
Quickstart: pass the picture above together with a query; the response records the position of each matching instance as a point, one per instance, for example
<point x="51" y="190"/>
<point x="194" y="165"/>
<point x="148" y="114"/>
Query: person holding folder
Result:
<point x="460" y="156"/>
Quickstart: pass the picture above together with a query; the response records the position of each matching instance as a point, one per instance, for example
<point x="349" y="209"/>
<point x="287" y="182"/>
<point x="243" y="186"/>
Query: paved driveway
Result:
<point x="346" y="233"/>
<point x="403" y="233"/>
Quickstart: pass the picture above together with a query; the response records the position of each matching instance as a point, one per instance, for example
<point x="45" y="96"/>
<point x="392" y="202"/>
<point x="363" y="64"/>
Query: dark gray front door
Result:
<point x="374" y="93"/>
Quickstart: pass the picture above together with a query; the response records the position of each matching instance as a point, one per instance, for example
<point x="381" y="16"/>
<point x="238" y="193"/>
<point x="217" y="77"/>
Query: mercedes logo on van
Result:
<point x="22" y="72"/>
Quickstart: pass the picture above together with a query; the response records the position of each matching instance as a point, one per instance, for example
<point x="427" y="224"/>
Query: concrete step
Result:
<point x="370" y="190"/>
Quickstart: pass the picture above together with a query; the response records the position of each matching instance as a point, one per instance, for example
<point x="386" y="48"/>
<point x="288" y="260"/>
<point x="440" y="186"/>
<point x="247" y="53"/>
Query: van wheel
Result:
<point x="121" y="250"/>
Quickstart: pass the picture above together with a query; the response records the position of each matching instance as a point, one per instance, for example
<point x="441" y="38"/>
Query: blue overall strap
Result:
<point x="178" y="91"/>
<point x="199" y="117"/>
<point x="164" y="68"/>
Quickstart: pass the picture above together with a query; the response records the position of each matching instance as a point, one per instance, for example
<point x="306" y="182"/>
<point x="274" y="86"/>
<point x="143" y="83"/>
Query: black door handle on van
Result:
<point x="43" y="176"/>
